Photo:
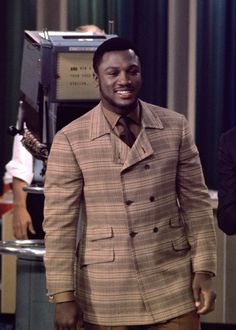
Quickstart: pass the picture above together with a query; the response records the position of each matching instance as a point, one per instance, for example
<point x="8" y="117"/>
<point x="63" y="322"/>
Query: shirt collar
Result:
<point x="113" y="117"/>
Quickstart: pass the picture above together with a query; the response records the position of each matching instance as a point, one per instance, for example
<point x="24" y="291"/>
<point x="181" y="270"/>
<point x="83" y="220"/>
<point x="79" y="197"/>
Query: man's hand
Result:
<point x="21" y="222"/>
<point x="203" y="293"/>
<point x="67" y="316"/>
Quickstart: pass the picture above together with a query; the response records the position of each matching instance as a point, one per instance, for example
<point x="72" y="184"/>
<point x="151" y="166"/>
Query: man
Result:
<point x="226" y="212"/>
<point x="147" y="250"/>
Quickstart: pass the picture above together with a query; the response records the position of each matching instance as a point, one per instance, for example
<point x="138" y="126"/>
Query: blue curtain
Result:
<point x="216" y="74"/>
<point x="82" y="12"/>
<point x="15" y="17"/>
<point x="145" y="23"/>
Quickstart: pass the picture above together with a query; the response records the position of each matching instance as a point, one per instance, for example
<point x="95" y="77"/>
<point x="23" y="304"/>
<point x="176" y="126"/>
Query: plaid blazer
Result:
<point x="147" y="225"/>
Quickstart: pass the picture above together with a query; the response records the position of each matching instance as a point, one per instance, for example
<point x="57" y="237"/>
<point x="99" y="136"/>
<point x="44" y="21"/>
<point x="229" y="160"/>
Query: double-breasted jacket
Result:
<point x="147" y="223"/>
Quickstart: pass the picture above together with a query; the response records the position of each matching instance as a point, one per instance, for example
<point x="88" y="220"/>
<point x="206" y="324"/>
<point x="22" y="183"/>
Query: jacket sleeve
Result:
<point x="226" y="212"/>
<point x="195" y="204"/>
<point x="63" y="187"/>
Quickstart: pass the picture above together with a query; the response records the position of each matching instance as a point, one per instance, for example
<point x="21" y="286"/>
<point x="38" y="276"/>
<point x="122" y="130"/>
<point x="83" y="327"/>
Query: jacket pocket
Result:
<point x="181" y="244"/>
<point x="98" y="233"/>
<point x="98" y="246"/>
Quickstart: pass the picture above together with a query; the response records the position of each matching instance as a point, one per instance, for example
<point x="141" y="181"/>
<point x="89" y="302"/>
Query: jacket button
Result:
<point x="155" y="229"/>
<point x="152" y="198"/>
<point x="128" y="202"/>
<point x="132" y="234"/>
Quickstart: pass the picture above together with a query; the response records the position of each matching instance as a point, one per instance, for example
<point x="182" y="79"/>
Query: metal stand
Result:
<point x="33" y="311"/>
<point x="34" y="189"/>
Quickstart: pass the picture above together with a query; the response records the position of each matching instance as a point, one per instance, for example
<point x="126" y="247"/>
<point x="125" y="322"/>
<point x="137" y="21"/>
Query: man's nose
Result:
<point x="124" y="78"/>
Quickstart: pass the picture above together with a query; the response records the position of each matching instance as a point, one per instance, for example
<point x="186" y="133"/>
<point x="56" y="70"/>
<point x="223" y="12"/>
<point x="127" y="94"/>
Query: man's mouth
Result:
<point x="126" y="92"/>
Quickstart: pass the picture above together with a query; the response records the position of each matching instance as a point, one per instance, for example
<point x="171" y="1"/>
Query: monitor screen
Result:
<point x="74" y="77"/>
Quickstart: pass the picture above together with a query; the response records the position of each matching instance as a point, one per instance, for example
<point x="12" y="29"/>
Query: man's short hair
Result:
<point x="112" y="44"/>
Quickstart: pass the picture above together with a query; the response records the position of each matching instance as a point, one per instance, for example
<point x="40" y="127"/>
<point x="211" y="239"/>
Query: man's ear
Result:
<point x="95" y="79"/>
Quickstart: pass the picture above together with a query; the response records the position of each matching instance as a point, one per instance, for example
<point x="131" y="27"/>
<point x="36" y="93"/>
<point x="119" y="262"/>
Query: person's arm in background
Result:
<point x="20" y="168"/>
<point x="226" y="212"/>
<point x="21" y="217"/>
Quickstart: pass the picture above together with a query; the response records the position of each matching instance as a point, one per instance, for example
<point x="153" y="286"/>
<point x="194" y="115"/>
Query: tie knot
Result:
<point x="124" y="120"/>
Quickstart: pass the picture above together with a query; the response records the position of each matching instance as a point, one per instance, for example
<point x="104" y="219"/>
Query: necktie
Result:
<point x="126" y="135"/>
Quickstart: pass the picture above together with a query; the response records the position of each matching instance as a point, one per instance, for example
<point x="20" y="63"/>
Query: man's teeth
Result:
<point x="123" y="92"/>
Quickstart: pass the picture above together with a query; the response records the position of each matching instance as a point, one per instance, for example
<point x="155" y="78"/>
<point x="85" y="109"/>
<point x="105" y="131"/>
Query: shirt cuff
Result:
<point x="62" y="297"/>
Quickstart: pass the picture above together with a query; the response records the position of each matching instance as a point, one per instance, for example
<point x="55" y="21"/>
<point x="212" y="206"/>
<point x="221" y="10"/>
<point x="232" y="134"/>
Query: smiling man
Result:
<point x="147" y="249"/>
<point x="118" y="76"/>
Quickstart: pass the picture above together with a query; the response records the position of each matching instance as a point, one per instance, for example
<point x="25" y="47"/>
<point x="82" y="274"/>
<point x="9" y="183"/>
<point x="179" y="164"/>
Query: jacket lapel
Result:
<point x="140" y="150"/>
<point x="98" y="124"/>
<point x="142" y="147"/>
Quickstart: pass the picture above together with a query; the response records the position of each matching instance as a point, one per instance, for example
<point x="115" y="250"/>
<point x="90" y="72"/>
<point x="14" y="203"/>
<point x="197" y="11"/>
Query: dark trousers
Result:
<point x="188" y="321"/>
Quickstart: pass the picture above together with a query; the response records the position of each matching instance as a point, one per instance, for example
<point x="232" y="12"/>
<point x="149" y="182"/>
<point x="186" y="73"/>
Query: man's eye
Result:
<point x="134" y="72"/>
<point x="112" y="73"/>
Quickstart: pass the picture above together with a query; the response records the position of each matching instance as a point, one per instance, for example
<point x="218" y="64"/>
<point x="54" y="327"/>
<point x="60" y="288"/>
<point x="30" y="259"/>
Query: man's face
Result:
<point x="119" y="80"/>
